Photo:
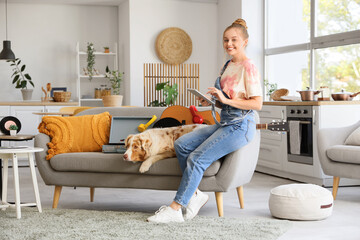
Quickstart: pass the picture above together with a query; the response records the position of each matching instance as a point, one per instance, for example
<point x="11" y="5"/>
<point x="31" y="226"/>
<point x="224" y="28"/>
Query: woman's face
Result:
<point x="233" y="42"/>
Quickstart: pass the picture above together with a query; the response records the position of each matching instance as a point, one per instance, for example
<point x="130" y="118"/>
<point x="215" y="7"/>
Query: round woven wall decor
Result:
<point x="173" y="46"/>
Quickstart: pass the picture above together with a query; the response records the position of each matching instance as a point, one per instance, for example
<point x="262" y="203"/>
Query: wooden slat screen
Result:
<point x="184" y="75"/>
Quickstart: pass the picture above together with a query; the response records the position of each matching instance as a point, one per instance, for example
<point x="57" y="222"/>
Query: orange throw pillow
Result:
<point x="76" y="134"/>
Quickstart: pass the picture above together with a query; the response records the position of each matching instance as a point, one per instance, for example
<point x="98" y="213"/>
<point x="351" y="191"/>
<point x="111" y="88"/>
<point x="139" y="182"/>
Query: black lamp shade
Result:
<point x="6" y="53"/>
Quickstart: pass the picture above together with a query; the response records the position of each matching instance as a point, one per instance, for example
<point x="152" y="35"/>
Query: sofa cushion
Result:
<point x="114" y="163"/>
<point x="354" y="138"/>
<point x="344" y="153"/>
<point x="76" y="134"/>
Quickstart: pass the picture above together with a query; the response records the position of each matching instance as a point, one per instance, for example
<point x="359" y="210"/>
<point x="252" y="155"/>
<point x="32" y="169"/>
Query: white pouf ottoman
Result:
<point x="300" y="202"/>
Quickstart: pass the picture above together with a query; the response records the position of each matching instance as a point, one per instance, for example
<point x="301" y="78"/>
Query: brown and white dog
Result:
<point x="154" y="144"/>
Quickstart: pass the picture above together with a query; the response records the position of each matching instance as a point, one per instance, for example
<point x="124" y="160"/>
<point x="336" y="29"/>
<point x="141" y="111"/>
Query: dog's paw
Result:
<point x="145" y="166"/>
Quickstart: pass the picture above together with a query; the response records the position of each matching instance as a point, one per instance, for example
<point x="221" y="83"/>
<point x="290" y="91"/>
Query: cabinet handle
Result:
<point x="266" y="149"/>
<point x="283" y="115"/>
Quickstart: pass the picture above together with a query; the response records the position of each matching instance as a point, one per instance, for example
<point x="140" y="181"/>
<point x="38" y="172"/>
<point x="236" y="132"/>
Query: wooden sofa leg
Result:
<point x="335" y="186"/>
<point x="92" y="191"/>
<point x="57" y="193"/>
<point x="240" y="192"/>
<point x="219" y="203"/>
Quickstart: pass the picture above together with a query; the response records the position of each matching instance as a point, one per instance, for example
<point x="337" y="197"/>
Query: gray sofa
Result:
<point x="336" y="158"/>
<point x="106" y="170"/>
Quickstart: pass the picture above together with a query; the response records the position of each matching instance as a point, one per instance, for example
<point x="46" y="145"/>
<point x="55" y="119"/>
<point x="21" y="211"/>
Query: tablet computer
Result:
<point x="199" y="94"/>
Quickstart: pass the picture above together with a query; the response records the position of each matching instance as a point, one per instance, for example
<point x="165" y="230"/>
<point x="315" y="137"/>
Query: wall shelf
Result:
<point x="96" y="76"/>
<point x="100" y="53"/>
<point x="91" y="99"/>
<point x="84" y="85"/>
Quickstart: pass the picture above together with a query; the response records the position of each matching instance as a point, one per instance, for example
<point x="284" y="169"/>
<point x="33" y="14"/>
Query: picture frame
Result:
<point x="57" y="89"/>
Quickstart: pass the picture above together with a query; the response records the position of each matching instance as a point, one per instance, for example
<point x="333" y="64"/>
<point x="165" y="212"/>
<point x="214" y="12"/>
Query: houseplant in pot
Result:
<point x="13" y="130"/>
<point x="21" y="79"/>
<point x="115" y="78"/>
<point x="170" y="93"/>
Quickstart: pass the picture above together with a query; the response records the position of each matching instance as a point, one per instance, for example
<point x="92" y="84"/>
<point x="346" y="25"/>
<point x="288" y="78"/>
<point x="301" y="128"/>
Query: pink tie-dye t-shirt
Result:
<point x="241" y="80"/>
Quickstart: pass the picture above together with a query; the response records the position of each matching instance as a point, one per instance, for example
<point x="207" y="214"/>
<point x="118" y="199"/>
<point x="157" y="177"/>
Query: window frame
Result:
<point x="326" y="41"/>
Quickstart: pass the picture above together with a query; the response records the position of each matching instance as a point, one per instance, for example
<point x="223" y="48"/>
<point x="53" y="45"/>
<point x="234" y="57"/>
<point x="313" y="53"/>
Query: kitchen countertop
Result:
<point x="38" y="103"/>
<point x="310" y="103"/>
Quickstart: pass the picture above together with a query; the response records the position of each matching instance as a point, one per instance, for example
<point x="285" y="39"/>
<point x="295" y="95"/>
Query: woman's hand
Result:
<point x="203" y="102"/>
<point x="217" y="93"/>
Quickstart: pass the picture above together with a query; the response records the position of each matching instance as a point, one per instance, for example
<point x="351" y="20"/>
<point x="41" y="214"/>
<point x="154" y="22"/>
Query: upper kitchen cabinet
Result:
<point x="86" y="84"/>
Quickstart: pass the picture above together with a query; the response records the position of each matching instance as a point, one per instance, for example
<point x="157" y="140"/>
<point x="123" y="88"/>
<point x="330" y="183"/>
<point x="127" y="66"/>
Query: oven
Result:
<point x="300" y="135"/>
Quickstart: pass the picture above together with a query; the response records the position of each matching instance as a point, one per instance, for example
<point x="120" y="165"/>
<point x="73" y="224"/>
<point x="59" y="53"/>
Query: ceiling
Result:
<point x="92" y="2"/>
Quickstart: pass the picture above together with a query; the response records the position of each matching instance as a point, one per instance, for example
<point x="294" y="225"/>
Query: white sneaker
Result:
<point x="166" y="215"/>
<point x="197" y="201"/>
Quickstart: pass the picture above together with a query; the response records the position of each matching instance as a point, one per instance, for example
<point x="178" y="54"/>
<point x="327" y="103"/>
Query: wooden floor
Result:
<point x="344" y="223"/>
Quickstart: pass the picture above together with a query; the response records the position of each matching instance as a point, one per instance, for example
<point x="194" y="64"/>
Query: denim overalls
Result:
<point x="197" y="150"/>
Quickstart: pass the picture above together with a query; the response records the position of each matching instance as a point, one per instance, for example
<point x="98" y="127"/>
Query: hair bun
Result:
<point x="241" y="22"/>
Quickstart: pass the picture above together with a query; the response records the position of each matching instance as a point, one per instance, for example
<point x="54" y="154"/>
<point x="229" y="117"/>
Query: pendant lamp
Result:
<point x="6" y="53"/>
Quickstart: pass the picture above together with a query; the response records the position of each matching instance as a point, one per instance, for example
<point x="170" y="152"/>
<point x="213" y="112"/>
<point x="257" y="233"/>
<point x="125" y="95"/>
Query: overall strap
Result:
<point x="225" y="66"/>
<point x="213" y="98"/>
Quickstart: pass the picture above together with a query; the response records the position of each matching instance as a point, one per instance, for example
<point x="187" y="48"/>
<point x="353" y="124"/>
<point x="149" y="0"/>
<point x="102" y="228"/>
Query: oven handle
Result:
<point x="266" y="149"/>
<point x="305" y="122"/>
<point x="314" y="116"/>
<point x="283" y="115"/>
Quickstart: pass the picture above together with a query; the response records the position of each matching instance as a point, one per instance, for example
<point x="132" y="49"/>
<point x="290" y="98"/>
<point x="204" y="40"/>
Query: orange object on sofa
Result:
<point x="76" y="134"/>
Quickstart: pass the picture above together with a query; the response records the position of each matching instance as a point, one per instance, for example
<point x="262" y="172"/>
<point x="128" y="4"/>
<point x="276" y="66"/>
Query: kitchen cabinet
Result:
<point x="273" y="151"/>
<point x="273" y="156"/>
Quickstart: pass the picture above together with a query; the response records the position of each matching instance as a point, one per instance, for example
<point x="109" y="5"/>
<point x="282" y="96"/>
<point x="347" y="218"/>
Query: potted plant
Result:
<point x="106" y="49"/>
<point x="115" y="78"/>
<point x="170" y="94"/>
<point x="13" y="130"/>
<point x="90" y="59"/>
<point x="270" y="88"/>
<point x="21" y="79"/>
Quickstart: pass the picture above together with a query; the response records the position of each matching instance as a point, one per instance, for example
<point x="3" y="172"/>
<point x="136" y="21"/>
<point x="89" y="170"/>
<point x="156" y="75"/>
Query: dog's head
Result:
<point x="137" y="147"/>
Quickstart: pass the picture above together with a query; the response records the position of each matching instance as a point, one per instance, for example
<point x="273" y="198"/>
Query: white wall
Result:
<point x="149" y="18"/>
<point x="44" y="36"/>
<point x="251" y="12"/>
<point x="124" y="50"/>
<point x="228" y="12"/>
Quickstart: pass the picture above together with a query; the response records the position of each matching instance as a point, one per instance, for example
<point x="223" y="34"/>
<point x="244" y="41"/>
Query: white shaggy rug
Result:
<point x="89" y="224"/>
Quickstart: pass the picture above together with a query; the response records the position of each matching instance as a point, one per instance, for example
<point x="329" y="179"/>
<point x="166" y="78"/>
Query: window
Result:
<point x="287" y="27"/>
<point x="337" y="16"/>
<point x="289" y="70"/>
<point x="312" y="43"/>
<point x="338" y="68"/>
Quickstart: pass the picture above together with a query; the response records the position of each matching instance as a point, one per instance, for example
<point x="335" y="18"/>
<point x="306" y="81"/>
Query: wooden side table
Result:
<point x="13" y="154"/>
<point x="16" y="138"/>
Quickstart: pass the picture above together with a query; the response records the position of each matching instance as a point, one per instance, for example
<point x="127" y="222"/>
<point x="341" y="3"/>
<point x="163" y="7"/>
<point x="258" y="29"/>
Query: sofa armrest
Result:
<point x="43" y="165"/>
<point x="328" y="137"/>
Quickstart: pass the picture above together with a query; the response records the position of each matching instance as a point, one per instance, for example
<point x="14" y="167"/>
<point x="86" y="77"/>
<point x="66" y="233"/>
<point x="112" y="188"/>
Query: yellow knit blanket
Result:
<point x="76" y="134"/>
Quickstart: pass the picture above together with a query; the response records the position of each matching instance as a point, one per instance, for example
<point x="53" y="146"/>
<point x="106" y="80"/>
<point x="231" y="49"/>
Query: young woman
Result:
<point x="238" y="92"/>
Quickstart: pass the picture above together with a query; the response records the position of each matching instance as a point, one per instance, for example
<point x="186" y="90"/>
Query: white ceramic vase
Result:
<point x="13" y="132"/>
<point x="26" y="94"/>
